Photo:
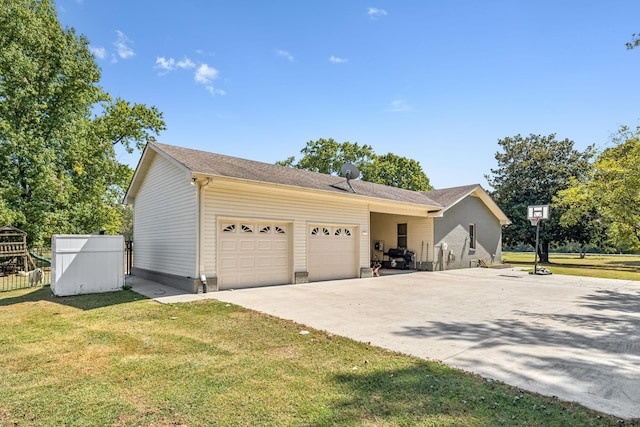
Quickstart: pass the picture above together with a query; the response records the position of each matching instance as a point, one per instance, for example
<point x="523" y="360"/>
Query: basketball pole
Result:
<point x="535" y="260"/>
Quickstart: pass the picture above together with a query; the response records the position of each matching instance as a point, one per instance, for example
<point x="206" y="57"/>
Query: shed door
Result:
<point x="253" y="254"/>
<point x="332" y="253"/>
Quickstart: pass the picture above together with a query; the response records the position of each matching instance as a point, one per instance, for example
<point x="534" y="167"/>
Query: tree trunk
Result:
<point x="543" y="252"/>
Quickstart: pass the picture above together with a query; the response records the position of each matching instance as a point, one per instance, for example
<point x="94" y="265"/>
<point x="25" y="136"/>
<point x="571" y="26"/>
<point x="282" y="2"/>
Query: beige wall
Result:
<point x="419" y="234"/>
<point x="235" y="200"/>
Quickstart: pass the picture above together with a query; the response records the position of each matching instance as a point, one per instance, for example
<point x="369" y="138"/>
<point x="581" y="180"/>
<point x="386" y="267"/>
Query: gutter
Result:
<point x="201" y="187"/>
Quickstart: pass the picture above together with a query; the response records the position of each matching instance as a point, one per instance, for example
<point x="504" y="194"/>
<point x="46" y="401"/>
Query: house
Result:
<point x="205" y="221"/>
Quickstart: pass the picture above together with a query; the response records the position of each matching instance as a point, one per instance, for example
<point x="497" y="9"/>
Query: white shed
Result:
<point x="86" y="264"/>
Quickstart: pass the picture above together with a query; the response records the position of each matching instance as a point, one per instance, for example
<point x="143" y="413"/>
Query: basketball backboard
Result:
<point x="537" y="213"/>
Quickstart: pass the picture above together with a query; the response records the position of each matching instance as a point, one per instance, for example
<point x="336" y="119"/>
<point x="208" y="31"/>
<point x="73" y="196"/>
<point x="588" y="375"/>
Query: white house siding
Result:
<point x="234" y="200"/>
<point x="165" y="216"/>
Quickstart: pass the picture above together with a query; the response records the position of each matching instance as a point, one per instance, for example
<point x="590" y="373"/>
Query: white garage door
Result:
<point x="253" y="254"/>
<point x="332" y="253"/>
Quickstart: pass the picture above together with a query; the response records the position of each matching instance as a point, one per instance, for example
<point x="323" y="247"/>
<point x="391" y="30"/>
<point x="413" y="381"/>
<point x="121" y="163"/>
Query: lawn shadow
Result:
<point x="406" y="396"/>
<point x="428" y="393"/>
<point x="631" y="265"/>
<point x="82" y="302"/>
<point x="623" y="266"/>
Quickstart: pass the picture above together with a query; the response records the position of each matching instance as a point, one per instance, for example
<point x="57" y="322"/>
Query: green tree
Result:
<point x="397" y="171"/>
<point x="611" y="190"/>
<point x="531" y="171"/>
<point x="635" y="41"/>
<point x="58" y="128"/>
<point x="328" y="156"/>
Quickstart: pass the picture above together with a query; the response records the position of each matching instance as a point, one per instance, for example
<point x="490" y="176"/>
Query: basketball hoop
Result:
<point x="534" y="220"/>
<point x="535" y="214"/>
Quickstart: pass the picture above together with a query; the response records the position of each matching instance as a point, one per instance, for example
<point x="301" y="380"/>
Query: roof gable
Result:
<point x="449" y="197"/>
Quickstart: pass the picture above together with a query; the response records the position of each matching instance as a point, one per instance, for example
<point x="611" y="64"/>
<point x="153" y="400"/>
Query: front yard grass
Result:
<point x="625" y="267"/>
<point x="119" y="359"/>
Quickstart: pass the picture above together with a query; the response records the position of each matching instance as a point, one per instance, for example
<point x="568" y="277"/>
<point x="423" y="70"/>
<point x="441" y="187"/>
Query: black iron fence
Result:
<point x="128" y="256"/>
<point x="24" y="271"/>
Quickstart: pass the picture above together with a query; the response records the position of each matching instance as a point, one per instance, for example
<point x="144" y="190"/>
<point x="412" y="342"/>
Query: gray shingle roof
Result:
<point x="206" y="163"/>
<point x="448" y="196"/>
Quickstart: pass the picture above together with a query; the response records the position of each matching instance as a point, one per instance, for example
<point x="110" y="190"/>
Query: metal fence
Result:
<point x="14" y="274"/>
<point x="128" y="256"/>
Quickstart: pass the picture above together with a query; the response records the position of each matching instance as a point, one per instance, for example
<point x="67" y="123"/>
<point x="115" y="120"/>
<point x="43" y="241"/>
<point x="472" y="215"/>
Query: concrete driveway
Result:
<point x="572" y="337"/>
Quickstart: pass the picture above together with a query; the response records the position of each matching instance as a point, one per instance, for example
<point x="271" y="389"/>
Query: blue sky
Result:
<point x="436" y="81"/>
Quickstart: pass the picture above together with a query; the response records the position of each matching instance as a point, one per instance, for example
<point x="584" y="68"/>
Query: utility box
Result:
<point x="86" y="264"/>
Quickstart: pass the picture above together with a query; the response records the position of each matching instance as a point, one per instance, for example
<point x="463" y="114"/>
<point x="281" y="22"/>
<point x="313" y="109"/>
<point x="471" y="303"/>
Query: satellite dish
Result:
<point x="350" y="172"/>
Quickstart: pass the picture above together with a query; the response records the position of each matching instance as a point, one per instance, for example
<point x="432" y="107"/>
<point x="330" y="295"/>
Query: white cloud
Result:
<point x="170" y="64"/>
<point x="185" y="64"/>
<point x="214" y="91"/>
<point x="98" y="52"/>
<point x="337" y="60"/>
<point x="206" y="74"/>
<point x="284" y="54"/>
<point x="375" y="13"/>
<point x="399" y="106"/>
<point x="122" y="46"/>
<point x="165" y="64"/>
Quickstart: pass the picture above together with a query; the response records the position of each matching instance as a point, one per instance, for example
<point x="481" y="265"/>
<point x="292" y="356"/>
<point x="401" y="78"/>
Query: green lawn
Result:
<point x="625" y="267"/>
<point x="119" y="359"/>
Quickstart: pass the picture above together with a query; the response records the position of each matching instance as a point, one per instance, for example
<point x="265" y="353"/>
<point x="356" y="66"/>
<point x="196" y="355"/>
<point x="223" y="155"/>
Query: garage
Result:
<point x="253" y="254"/>
<point x="332" y="252"/>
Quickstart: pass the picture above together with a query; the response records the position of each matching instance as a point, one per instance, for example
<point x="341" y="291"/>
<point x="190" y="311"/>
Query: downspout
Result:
<point x="201" y="225"/>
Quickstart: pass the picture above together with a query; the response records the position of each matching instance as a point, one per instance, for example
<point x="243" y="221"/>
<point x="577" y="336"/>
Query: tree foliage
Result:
<point x="635" y="41"/>
<point x="58" y="128"/>
<point x="531" y="171"/>
<point x="328" y="156"/>
<point x="611" y="190"/>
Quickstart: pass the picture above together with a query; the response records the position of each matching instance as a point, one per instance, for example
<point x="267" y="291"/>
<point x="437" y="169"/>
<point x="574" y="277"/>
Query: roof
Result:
<point x="10" y="230"/>
<point x="448" y="197"/>
<point x="197" y="162"/>
<point x="211" y="164"/>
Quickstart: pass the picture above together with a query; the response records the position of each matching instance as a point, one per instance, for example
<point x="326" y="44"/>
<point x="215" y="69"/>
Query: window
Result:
<point x="402" y="235"/>
<point x="472" y="236"/>
<point x="317" y="231"/>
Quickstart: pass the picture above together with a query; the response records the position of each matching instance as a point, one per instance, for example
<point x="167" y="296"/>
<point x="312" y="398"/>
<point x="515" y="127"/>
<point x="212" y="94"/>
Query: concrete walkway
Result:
<point x="572" y="337"/>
